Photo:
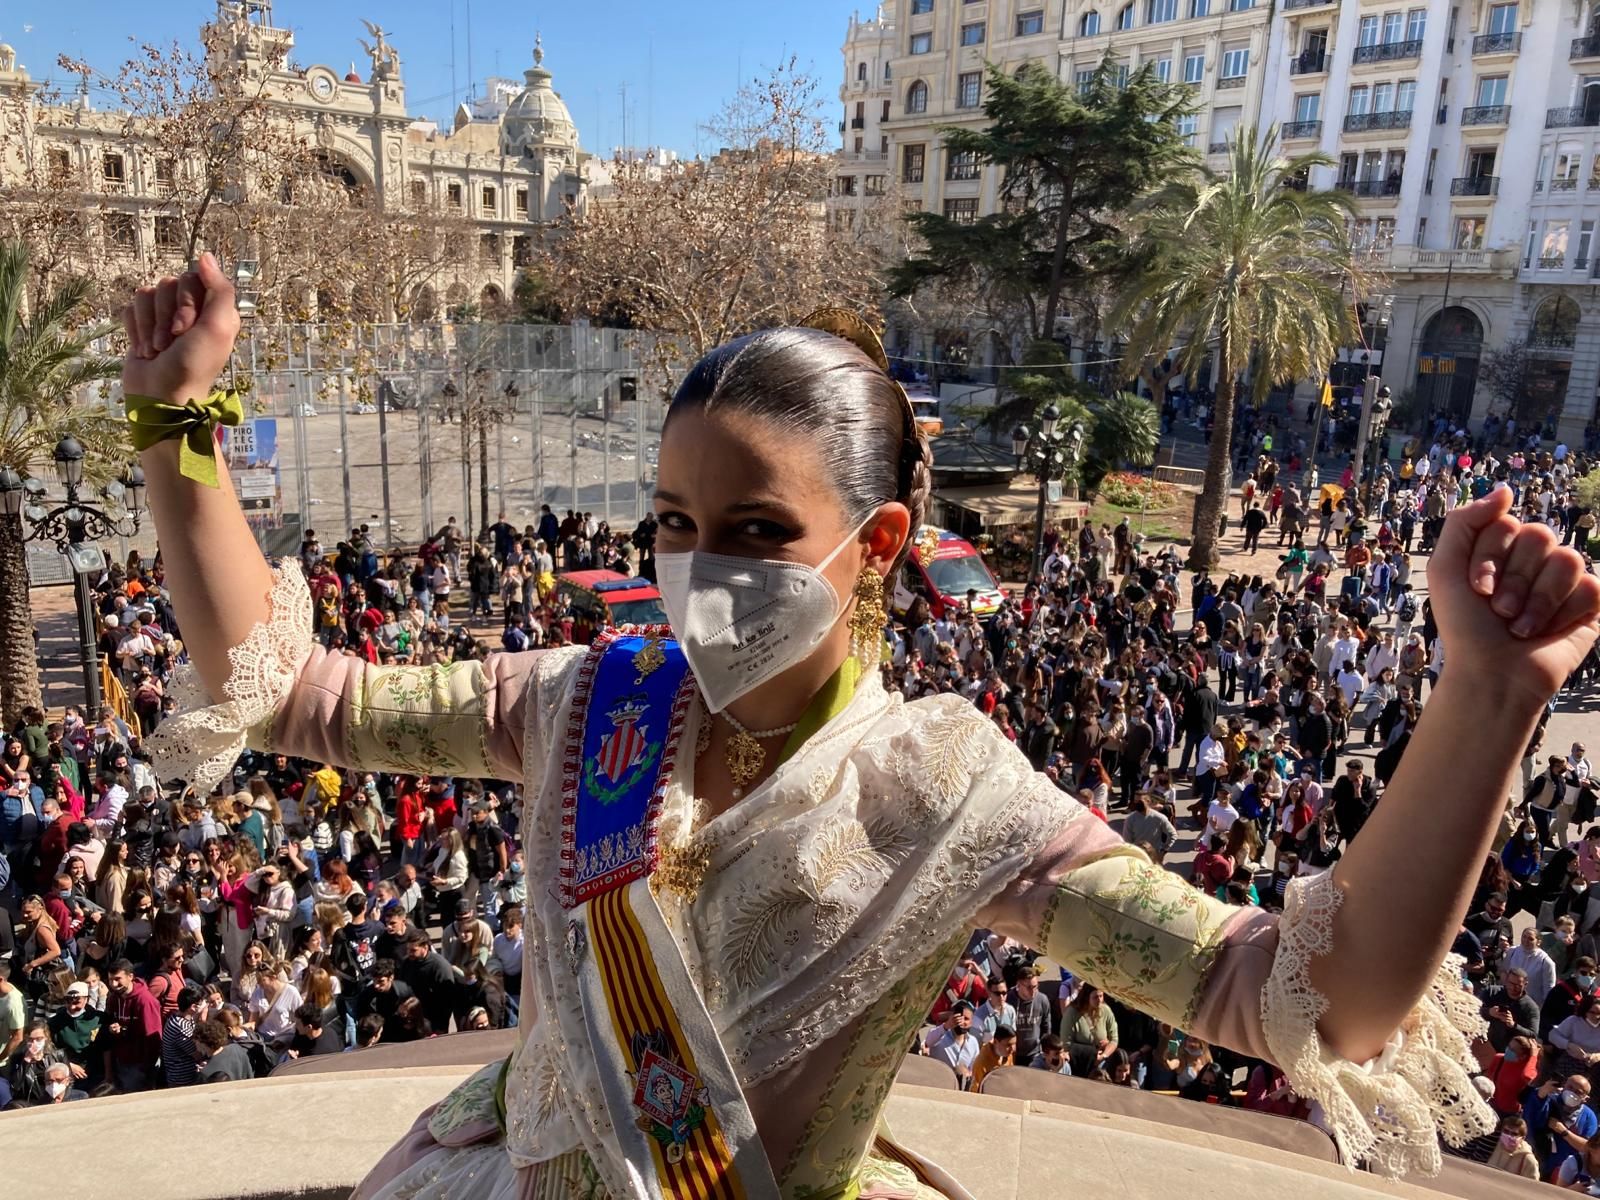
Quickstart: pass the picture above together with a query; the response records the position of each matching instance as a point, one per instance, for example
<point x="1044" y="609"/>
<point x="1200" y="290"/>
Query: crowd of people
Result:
<point x="1239" y="729"/>
<point x="154" y="938"/>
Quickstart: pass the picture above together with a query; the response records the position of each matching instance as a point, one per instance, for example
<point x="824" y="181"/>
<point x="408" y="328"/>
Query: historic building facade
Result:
<point x="1468" y="136"/>
<point x="502" y="172"/>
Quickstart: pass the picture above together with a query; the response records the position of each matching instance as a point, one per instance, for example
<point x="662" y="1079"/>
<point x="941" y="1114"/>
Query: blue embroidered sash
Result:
<point x="632" y="694"/>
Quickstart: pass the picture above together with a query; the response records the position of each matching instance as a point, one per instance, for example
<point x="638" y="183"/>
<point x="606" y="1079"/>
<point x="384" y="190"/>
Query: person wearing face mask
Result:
<point x="58" y="1086"/>
<point x="1567" y="996"/>
<point x="25" y="1076"/>
<point x="1512" y="1153"/>
<point x="1560" y="1121"/>
<point x="745" y="786"/>
<point x="1578" y="1040"/>
<point x="1513" y="1072"/>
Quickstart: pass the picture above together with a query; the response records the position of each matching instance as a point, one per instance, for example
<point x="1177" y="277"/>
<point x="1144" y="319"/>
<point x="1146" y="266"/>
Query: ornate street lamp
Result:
<point x="74" y="526"/>
<point x="1049" y="456"/>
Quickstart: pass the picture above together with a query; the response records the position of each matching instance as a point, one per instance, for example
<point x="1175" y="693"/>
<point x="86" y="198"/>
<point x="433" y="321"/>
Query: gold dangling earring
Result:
<point x="868" y="619"/>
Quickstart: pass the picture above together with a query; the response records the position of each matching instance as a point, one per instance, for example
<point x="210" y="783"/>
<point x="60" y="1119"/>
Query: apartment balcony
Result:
<point x="1382" y="52"/>
<point x="1475" y="185"/>
<point x="858" y="122"/>
<point x="1486" y="114"/>
<point x="1571" y="118"/>
<point x="1231" y="81"/>
<point x="1301" y="129"/>
<point x="1217" y="148"/>
<point x="1565" y="184"/>
<point x="1291" y="5"/>
<point x="863" y="156"/>
<point x="1584" y="48"/>
<point x="1486" y="45"/>
<point x="1370" y="122"/>
<point x="1309" y="62"/>
<point x="1370" y="189"/>
<point x="1416" y="261"/>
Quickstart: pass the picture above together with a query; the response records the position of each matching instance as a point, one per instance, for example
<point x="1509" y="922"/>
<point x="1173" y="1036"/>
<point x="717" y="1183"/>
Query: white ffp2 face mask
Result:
<point x="743" y="621"/>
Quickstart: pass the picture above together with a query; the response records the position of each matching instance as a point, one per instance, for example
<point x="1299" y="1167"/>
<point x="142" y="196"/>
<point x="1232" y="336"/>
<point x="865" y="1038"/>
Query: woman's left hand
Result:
<point x="1516" y="610"/>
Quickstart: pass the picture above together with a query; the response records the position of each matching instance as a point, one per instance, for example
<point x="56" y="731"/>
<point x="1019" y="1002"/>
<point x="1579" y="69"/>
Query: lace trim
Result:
<point x="1387" y="1114"/>
<point x="201" y="741"/>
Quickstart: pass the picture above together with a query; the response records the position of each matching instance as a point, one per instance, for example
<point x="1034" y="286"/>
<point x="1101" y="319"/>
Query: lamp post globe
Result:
<point x="1050" y="418"/>
<point x="1020" y="437"/>
<point x="11" y="492"/>
<point x="133" y="488"/>
<point x="68" y="456"/>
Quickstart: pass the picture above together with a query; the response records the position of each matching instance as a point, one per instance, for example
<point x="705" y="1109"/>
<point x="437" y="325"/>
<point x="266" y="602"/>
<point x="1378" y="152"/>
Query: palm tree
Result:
<point x="47" y="357"/>
<point x="1125" y="433"/>
<point x="1246" y="264"/>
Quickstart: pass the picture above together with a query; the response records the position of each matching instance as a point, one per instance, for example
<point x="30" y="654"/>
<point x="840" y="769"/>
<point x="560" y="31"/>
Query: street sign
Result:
<point x="251" y="452"/>
<point x="46" y="566"/>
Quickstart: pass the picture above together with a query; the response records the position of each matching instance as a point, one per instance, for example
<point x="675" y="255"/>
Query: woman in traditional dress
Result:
<point x="739" y="834"/>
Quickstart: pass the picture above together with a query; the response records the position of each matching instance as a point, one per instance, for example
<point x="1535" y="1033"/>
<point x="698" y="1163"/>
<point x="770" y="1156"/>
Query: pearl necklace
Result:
<point x="744" y="754"/>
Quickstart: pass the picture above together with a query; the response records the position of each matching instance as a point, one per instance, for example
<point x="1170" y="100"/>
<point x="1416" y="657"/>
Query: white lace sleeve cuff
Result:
<point x="1387" y="1114"/>
<point x="200" y="742"/>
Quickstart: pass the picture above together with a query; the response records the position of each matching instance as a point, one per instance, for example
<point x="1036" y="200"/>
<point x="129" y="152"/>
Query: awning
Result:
<point x="1012" y="503"/>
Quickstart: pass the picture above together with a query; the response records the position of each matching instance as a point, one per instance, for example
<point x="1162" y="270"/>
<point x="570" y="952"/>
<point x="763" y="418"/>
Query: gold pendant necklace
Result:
<point x="744" y="755"/>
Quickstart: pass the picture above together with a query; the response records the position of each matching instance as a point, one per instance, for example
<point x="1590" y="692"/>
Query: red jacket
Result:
<point x="137" y="1041"/>
<point x="408" y="814"/>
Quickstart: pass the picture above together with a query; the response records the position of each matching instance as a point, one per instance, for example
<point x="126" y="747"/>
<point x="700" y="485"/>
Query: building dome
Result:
<point x="538" y="117"/>
<point x="352" y="75"/>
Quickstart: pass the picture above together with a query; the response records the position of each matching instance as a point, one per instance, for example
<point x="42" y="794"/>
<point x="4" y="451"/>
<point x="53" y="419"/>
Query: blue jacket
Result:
<point x="1537" y="1110"/>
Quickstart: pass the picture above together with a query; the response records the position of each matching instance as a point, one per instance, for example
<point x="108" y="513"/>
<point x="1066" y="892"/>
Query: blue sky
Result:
<point x="679" y="60"/>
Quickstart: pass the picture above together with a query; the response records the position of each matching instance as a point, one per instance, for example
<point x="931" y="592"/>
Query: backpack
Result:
<point x="1408" y="609"/>
<point x="261" y="1063"/>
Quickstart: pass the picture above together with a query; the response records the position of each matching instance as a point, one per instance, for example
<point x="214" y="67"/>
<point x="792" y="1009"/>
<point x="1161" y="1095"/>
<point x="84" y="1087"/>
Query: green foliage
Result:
<point x="1587" y="490"/>
<point x="1243" y="264"/>
<point x="1071" y="160"/>
<point x="1126" y="431"/>
<point x="47" y="356"/>
<point x="535" y="300"/>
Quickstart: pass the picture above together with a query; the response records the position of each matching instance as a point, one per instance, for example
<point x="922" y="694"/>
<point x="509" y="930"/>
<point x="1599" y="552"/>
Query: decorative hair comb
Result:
<point x="853" y="328"/>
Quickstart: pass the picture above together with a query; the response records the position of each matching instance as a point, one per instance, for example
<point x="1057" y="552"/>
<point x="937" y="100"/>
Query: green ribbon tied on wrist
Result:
<point x="151" y="421"/>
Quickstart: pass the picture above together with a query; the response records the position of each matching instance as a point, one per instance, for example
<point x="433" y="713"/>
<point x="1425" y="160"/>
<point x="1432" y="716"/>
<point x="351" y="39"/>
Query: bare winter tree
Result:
<point x="705" y="251"/>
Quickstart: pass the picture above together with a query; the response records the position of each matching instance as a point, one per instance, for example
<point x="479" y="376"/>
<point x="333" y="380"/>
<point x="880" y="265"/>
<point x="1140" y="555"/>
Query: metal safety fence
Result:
<point x="401" y="427"/>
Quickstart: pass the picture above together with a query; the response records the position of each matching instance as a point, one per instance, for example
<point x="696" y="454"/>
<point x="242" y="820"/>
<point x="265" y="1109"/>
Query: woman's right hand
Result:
<point x="180" y="334"/>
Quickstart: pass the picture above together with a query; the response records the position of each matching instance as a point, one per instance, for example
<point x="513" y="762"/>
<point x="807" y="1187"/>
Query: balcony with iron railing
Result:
<point x="1552" y="262"/>
<point x="1217" y="148"/>
<point x="1496" y="43"/>
<point x="1486" y="114"/>
<point x="1576" y="117"/>
<point x="1301" y="129"/>
<point x="1309" y="62"/>
<point x="1475" y="185"/>
<point x="1381" y="52"/>
<point x="1370" y="189"/>
<point x="1585" y="47"/>
<point x="1291" y="5"/>
<point x="1565" y="184"/>
<point x="1368" y="122"/>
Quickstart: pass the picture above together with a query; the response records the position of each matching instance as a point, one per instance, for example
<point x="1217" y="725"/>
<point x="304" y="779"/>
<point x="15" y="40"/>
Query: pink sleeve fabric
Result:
<point x="465" y="718"/>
